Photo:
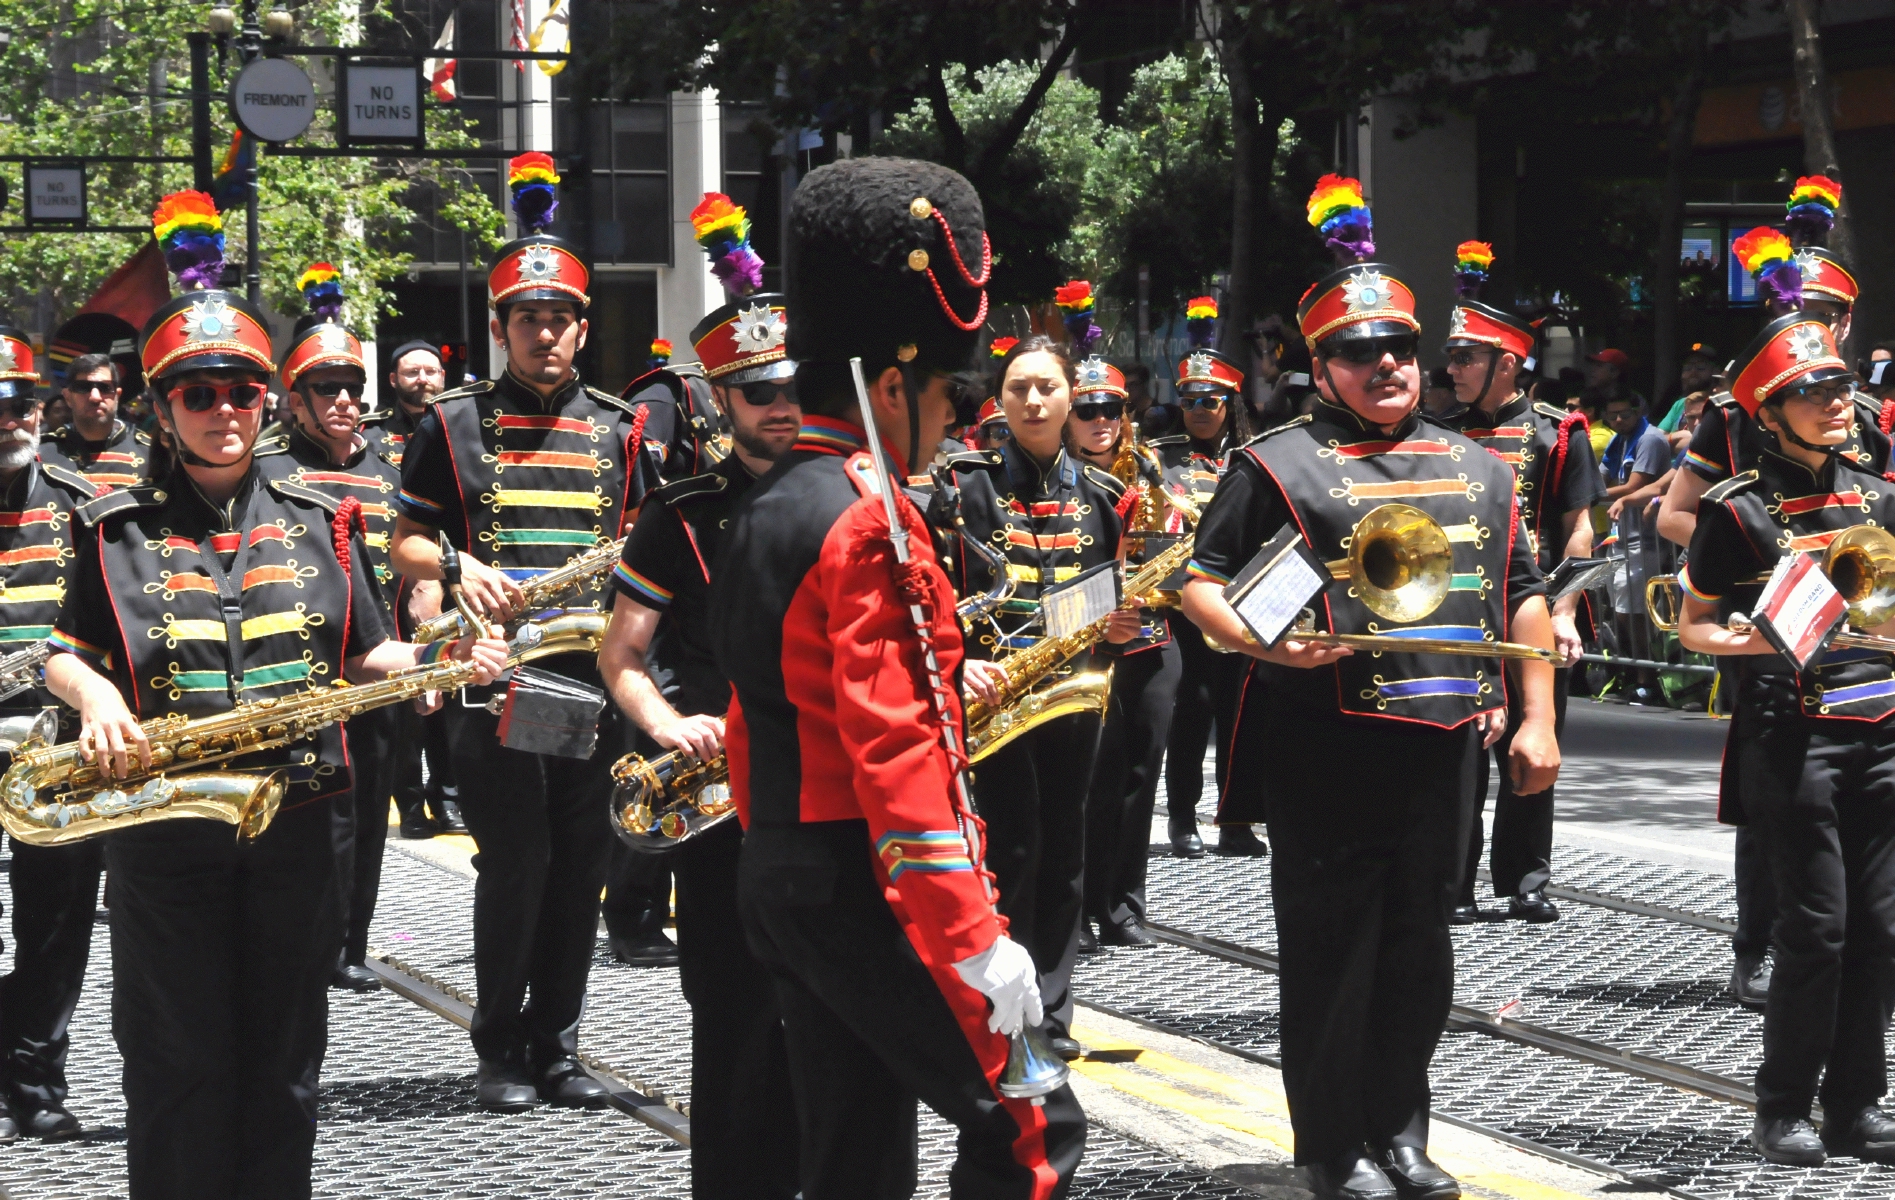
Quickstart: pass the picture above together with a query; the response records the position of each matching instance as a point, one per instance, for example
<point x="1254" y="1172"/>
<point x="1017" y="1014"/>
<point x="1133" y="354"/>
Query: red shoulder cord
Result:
<point x="980" y="283"/>
<point x="1567" y="424"/>
<point x="1886" y="419"/>
<point x="349" y="519"/>
<point x="638" y="428"/>
<point x="1124" y="506"/>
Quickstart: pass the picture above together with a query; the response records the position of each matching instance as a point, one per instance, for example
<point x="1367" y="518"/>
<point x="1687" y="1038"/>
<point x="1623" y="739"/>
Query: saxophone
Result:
<point x="669" y="799"/>
<point x="1023" y="705"/>
<point x="19" y="671"/>
<point x="51" y="796"/>
<point x="541" y="592"/>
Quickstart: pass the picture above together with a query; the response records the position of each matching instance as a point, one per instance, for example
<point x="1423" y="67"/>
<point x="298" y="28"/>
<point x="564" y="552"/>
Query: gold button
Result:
<point x="158" y="496"/>
<point x="917" y="260"/>
<point x="894" y="851"/>
<point x="906" y="353"/>
<point x="920" y="209"/>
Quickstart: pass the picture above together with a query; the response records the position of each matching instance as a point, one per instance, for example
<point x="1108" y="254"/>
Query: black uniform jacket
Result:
<point x="118" y="461"/>
<point x="1553" y="468"/>
<point x="366" y="475"/>
<point x="39" y="538"/>
<point x="1726" y="443"/>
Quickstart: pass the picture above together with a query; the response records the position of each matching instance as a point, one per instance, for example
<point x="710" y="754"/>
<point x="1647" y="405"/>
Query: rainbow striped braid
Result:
<point x="1767" y="255"/>
<point x="1338" y="212"/>
<point x="191" y="234"/>
<point x="1200" y="321"/>
<point x="722" y="228"/>
<point x="1471" y="260"/>
<point x="1076" y="304"/>
<point x="321" y="286"/>
<point x="1812" y="209"/>
<point x="660" y="353"/>
<point x="534" y="187"/>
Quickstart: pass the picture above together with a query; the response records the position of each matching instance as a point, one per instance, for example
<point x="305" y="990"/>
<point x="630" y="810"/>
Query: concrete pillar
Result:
<point x="686" y="289"/>
<point x="1424" y="192"/>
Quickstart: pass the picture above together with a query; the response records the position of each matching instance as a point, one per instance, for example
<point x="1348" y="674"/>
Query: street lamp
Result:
<point x="221" y="21"/>
<point x="249" y="46"/>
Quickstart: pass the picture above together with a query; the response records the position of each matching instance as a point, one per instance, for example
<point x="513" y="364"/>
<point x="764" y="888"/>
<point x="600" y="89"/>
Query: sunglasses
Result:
<point x="766" y="392"/>
<point x="1092" y="410"/>
<point x="1212" y="401"/>
<point x="1366" y="352"/>
<point x="1463" y="358"/>
<point x="15" y="408"/>
<point x="202" y="397"/>
<point x="329" y="389"/>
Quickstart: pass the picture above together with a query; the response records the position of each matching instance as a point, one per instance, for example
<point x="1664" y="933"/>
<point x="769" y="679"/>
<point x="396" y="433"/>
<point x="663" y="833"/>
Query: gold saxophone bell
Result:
<point x="1400" y="563"/>
<point x="668" y="800"/>
<point x="1860" y="564"/>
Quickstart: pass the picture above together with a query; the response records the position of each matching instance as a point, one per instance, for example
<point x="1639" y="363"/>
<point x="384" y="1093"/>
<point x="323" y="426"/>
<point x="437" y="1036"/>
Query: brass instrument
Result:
<point x="20" y="671"/>
<point x="541" y="592"/>
<point x="1023" y="705"/>
<point x="51" y="796"/>
<point x="668" y="800"/>
<point x="973" y="608"/>
<point x="1860" y="565"/>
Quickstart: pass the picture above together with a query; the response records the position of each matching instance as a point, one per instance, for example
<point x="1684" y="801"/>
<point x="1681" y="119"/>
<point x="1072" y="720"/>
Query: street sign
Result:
<point x="379" y="104"/>
<point x="272" y="99"/>
<point x="56" y="195"/>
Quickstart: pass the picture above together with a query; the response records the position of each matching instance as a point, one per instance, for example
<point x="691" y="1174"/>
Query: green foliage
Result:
<point x="112" y="77"/>
<point x="1034" y="197"/>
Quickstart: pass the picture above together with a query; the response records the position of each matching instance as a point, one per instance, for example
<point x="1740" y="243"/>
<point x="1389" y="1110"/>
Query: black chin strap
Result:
<point x="914" y="417"/>
<point x="1493" y="364"/>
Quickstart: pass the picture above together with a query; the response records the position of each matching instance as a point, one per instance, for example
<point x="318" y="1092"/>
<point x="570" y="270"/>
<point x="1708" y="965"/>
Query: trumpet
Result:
<point x="668" y="800"/>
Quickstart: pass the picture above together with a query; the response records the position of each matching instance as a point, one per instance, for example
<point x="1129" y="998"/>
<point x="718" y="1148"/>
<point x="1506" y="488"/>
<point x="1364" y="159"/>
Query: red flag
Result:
<point x="134" y="291"/>
<point x="440" y="71"/>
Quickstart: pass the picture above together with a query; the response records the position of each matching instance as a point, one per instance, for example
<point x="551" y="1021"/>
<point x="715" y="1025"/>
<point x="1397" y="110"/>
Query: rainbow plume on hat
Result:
<point x="191" y="234"/>
<point x="1812" y="209"/>
<point x="1471" y="262"/>
<point x="1076" y="304"/>
<point x="1767" y="255"/>
<point x="722" y="228"/>
<point x="321" y="286"/>
<point x="1000" y="345"/>
<point x="660" y="353"/>
<point x="1338" y="212"/>
<point x="1200" y="320"/>
<point x="534" y="186"/>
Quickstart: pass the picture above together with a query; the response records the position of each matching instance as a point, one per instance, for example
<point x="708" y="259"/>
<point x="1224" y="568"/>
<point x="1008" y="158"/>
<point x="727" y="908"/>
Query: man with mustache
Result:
<point x="95" y="442"/>
<point x="55" y="888"/>
<point x="662" y="670"/>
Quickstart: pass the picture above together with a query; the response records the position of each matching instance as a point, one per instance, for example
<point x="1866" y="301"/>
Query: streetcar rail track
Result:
<point x="1662" y="912"/>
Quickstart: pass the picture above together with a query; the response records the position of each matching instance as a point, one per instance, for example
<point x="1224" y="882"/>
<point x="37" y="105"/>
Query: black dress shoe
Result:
<point x="51" y="1124"/>
<point x="566" y="1085"/>
<point x="1532" y="907"/>
<point x="1185" y="842"/>
<point x="417" y="829"/>
<point x="356" y="978"/>
<point x="644" y="950"/>
<point x="1790" y="1141"/>
<point x="1125" y="933"/>
<point x="1088" y="942"/>
<point x="503" y="1088"/>
<point x="1750" y="981"/>
<point x="1869" y="1137"/>
<point x="1240" y="841"/>
<point x="451" y="821"/>
<point x="9" y="1127"/>
<point x="1359" y="1179"/>
<point x="1416" y="1177"/>
<point x="1065" y="1047"/>
<point x="1464" y="914"/>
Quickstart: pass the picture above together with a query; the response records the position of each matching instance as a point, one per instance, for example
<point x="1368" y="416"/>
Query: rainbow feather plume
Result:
<point x="321" y="286"/>
<point x="1768" y="256"/>
<point x="1338" y="212"/>
<point x="722" y="229"/>
<point x="660" y="353"/>
<point x="1812" y="209"/>
<point x="231" y="184"/>
<point x="191" y="234"/>
<point x="1471" y="261"/>
<point x="1200" y="320"/>
<point x="999" y="346"/>
<point x="1076" y="303"/>
<point x="533" y="184"/>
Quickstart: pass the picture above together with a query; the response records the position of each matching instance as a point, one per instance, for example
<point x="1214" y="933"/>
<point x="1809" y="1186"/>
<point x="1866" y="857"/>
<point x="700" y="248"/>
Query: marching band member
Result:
<point x="743" y="1137"/>
<point x="522" y="473"/>
<point x="861" y="885"/>
<point x="214" y="585"/>
<point x="55" y="888"/>
<point x="1216" y="421"/>
<point x="96" y="443"/>
<point x="324" y="373"/>
<point x="1814" y="749"/>
<point x="1369" y="758"/>
<point x="1556" y="484"/>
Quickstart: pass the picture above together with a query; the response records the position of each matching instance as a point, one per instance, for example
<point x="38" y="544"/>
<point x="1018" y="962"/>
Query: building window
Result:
<point x="628" y="152"/>
<point x="753" y="173"/>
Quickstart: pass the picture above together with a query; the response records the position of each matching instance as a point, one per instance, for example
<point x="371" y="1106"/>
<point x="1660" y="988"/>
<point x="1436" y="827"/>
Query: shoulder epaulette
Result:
<point x="276" y="443"/>
<point x="323" y="500"/>
<point x="657" y="375"/>
<point x="1730" y="487"/>
<point x="1434" y="419"/>
<point x="374" y="418"/>
<point x="142" y="436"/>
<point x="143" y="495"/>
<point x="1105" y="479"/>
<point x="70" y="479"/>
<point x="480" y="387"/>
<point x="607" y="399"/>
<point x="1546" y="410"/>
<point x="1288" y="425"/>
<point x="1724" y="400"/>
<point x="1169" y="439"/>
<point x="708" y="484"/>
<point x="976" y="460"/>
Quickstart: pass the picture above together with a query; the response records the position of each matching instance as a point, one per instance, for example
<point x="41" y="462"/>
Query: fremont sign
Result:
<point x="273" y="100"/>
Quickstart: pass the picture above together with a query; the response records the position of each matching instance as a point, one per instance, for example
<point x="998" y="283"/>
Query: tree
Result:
<point x="1812" y="90"/>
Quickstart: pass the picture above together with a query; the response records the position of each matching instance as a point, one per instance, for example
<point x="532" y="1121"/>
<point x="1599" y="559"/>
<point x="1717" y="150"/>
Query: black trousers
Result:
<point x="55" y="894"/>
<point x="421" y="735"/>
<point x="544" y="834"/>
<point x="871" y="1028"/>
<point x="637" y="892"/>
<point x="1206" y="712"/>
<point x="1368" y="821"/>
<point x="743" y="1138"/>
<point x="1125" y="782"/>
<point x="1820" y="795"/>
<point x="1756" y="895"/>
<point x="362" y="823"/>
<point x="1032" y="796"/>
<point x="221" y="954"/>
<point x="1521" y="857"/>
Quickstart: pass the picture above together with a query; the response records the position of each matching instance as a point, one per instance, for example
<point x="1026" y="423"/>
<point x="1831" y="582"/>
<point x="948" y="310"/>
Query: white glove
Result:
<point x="1005" y="974"/>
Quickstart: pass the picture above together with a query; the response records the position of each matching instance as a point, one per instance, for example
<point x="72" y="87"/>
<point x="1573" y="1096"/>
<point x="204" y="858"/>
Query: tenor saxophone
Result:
<point x="51" y="796"/>
<point x="662" y="802"/>
<point x="542" y="591"/>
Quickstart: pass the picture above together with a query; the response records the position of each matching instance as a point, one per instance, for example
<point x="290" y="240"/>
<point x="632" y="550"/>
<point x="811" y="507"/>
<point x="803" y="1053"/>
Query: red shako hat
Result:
<point x="536" y="266"/>
<point x="1792" y="351"/>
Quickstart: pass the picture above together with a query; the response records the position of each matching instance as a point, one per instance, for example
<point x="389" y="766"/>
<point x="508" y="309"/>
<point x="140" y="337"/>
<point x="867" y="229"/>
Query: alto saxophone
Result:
<point x="1024" y="705"/>
<point x="542" y="591"/>
<point x="20" y="671"/>
<point x="660" y="803"/>
<point x="51" y="796"/>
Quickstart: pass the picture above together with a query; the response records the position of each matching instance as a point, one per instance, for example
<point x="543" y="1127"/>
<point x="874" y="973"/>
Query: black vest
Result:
<point x="703" y="504"/>
<point x="38" y="546"/>
<point x="1333" y="471"/>
<point x="1189" y="468"/>
<point x="172" y="636"/>
<point x="368" y="476"/>
<point x="1525" y="436"/>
